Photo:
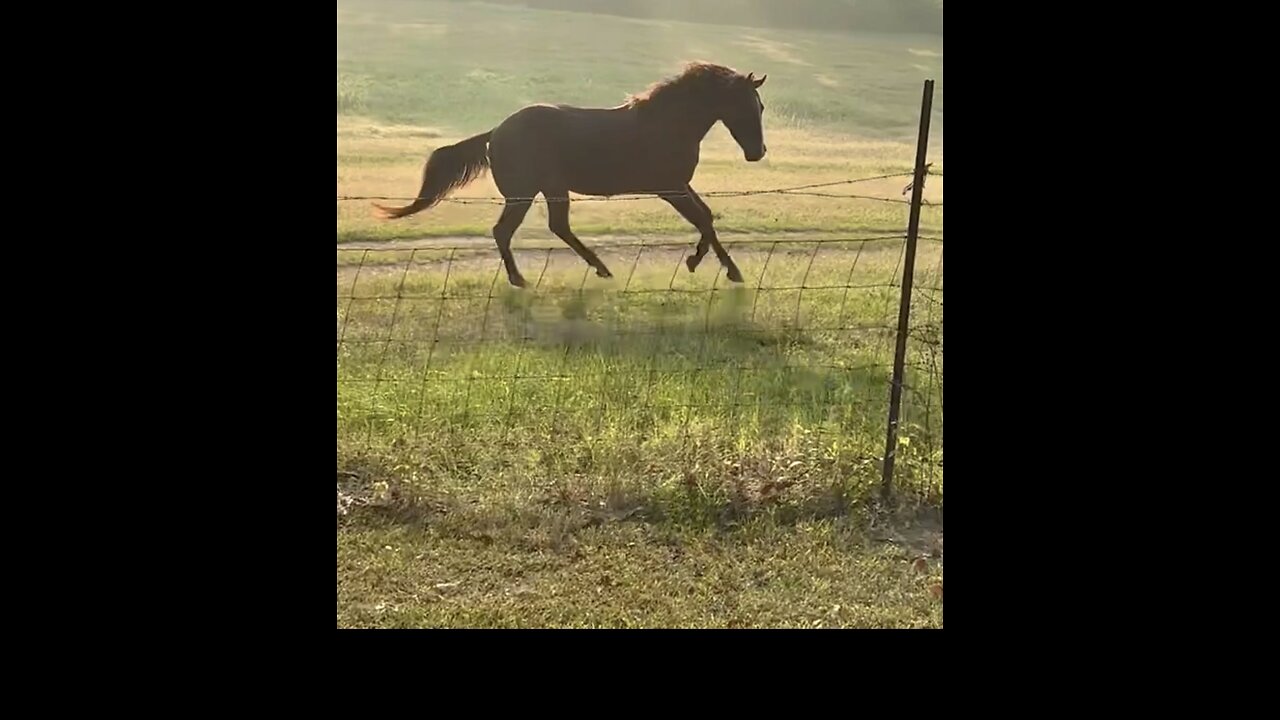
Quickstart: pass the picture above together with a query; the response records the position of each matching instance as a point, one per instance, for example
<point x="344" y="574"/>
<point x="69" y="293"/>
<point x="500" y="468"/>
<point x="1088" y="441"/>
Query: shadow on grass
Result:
<point x="607" y="348"/>
<point x="816" y="403"/>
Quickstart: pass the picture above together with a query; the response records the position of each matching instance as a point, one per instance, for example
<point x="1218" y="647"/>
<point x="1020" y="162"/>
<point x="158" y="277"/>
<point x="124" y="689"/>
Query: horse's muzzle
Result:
<point x="753" y="157"/>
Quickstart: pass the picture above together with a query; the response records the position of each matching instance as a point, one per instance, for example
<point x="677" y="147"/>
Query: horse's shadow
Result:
<point x="728" y="357"/>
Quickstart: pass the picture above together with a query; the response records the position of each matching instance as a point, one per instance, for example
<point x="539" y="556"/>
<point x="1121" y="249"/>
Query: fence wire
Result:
<point x="436" y="345"/>
<point x="807" y="190"/>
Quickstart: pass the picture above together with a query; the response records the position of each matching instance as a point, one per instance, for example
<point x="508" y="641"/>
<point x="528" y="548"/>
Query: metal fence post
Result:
<point x="908" y="274"/>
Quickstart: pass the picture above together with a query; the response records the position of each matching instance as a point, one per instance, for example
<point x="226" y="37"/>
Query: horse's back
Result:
<point x="564" y="134"/>
<point x="593" y="151"/>
<point x="566" y="121"/>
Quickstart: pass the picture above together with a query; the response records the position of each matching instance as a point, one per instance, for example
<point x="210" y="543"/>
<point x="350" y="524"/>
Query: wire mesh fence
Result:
<point x="656" y="370"/>
<point x="655" y="365"/>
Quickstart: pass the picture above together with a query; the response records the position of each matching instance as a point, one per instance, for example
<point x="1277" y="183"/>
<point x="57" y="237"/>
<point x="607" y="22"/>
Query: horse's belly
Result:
<point x="605" y="188"/>
<point x="621" y="178"/>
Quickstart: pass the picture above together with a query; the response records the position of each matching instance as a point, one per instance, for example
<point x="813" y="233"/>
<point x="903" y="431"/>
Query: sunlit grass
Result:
<point x="661" y="449"/>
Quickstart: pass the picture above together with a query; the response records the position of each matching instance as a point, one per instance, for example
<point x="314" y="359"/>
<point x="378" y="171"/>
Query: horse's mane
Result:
<point x="697" y="81"/>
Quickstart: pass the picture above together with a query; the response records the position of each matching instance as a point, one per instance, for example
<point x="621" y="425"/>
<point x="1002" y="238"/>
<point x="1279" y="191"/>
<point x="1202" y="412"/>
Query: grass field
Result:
<point x="661" y="449"/>
<point x="415" y="76"/>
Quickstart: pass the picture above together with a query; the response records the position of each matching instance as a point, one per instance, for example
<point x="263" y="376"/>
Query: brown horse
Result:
<point x="648" y="145"/>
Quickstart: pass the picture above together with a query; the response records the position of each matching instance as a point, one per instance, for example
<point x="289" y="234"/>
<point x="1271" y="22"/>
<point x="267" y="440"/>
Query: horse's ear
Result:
<point x="757" y="82"/>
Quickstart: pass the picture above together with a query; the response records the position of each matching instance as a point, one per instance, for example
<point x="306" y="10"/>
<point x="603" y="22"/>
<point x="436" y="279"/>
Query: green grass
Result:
<point x="415" y="76"/>
<point x="466" y="65"/>
<point x="662" y="449"/>
<point x="657" y="412"/>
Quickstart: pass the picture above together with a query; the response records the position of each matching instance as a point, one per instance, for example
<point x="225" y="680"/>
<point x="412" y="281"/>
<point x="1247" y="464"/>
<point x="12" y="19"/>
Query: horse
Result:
<point x="648" y="145"/>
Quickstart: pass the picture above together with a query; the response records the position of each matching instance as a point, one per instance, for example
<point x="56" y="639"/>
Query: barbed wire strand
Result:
<point x="798" y="190"/>
<point x="496" y="201"/>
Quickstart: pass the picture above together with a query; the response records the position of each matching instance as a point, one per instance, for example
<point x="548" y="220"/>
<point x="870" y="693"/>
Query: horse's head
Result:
<point x="705" y="93"/>
<point x="742" y="111"/>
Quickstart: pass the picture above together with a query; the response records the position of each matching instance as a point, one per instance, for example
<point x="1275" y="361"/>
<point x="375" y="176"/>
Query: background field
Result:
<point x="660" y="449"/>
<point x="414" y="76"/>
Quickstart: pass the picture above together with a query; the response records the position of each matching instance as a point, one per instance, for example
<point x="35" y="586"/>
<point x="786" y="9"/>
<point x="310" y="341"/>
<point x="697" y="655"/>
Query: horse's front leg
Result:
<point x="696" y="212"/>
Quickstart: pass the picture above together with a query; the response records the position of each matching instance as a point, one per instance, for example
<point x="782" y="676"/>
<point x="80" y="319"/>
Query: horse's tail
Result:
<point x="448" y="169"/>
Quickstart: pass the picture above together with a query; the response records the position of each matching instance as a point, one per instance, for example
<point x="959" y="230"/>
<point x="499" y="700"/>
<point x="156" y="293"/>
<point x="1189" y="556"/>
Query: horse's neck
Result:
<point x="683" y="124"/>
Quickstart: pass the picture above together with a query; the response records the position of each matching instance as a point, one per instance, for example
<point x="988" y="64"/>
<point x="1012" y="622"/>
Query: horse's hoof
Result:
<point x="692" y="262"/>
<point x="735" y="275"/>
<point x="603" y="272"/>
<point x="516" y="281"/>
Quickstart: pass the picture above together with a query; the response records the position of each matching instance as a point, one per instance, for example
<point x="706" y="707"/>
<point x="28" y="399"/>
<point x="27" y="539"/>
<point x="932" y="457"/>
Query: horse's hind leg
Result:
<point x="558" y="214"/>
<point x="512" y="215"/>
